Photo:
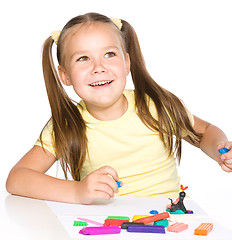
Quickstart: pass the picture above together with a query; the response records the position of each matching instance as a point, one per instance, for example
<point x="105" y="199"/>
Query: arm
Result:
<point x="213" y="139"/>
<point x="28" y="178"/>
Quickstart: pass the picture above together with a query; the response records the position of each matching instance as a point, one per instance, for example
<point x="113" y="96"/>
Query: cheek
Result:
<point x="120" y="68"/>
<point x="77" y="84"/>
<point x="77" y="76"/>
<point x="124" y="71"/>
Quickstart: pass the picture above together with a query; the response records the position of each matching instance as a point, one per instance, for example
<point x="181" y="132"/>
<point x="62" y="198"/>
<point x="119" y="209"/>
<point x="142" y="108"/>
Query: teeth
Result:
<point x="100" y="83"/>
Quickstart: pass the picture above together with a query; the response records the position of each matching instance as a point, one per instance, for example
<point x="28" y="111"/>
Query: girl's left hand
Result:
<point x="226" y="159"/>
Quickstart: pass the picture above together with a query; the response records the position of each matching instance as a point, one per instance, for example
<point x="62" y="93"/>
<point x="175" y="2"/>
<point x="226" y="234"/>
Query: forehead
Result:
<point x="84" y="35"/>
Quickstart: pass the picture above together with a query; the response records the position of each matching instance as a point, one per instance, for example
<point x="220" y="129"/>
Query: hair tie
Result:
<point x="55" y="36"/>
<point x="117" y="22"/>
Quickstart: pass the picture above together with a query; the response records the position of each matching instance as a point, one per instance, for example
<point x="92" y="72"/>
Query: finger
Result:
<point x="106" y="179"/>
<point x="109" y="170"/>
<point x="228" y="163"/>
<point x="226" y="156"/>
<point x="220" y="145"/>
<point x="228" y="145"/>
<point x="220" y="162"/>
<point x="225" y="168"/>
<point x="105" y="188"/>
<point x="102" y="195"/>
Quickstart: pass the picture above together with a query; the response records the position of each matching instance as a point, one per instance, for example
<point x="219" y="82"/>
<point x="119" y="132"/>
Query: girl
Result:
<point x="135" y="135"/>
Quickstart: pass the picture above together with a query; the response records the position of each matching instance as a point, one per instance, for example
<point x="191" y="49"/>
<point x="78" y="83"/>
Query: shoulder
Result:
<point x="47" y="139"/>
<point x="48" y="129"/>
<point x="129" y="94"/>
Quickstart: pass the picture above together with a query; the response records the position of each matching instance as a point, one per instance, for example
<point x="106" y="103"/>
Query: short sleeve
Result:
<point x="47" y="139"/>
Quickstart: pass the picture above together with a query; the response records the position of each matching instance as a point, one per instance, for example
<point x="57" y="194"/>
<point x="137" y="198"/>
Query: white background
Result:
<point x="187" y="46"/>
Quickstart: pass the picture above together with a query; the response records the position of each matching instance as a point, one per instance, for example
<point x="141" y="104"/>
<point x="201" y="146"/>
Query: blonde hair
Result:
<point x="68" y="125"/>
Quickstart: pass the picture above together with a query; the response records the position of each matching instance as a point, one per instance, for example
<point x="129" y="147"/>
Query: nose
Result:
<point x="98" y="68"/>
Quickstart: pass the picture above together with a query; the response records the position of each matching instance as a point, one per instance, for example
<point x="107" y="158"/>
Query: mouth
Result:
<point x="100" y="83"/>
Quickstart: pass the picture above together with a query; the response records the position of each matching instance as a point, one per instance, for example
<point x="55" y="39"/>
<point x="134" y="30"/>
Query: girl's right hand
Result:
<point x="100" y="184"/>
<point x="225" y="160"/>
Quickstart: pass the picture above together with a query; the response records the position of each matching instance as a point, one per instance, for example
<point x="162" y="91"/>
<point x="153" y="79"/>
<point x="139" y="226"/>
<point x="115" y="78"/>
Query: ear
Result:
<point x="127" y="61"/>
<point x="64" y="76"/>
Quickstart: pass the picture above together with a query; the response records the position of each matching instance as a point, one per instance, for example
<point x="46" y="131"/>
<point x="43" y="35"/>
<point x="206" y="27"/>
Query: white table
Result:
<point x="25" y="218"/>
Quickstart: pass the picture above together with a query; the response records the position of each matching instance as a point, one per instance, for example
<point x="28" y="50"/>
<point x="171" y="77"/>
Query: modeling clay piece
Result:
<point x="90" y="221"/>
<point x="80" y="223"/>
<point x="176" y="212"/>
<point x="204" y="229"/>
<point x="182" y="218"/>
<point x="118" y="217"/>
<point x="153" y="212"/>
<point x="114" y="222"/>
<point x="175" y="202"/>
<point x="177" y="227"/>
<point x="189" y="211"/>
<point x="119" y="183"/>
<point x="223" y="150"/>
<point x="153" y="218"/>
<point x="100" y="230"/>
<point x="163" y="222"/>
<point x="126" y="224"/>
<point x="146" y="229"/>
<point x="180" y="204"/>
<point x="135" y="217"/>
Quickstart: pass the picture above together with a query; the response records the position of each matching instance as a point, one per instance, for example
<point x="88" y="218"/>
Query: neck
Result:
<point x="109" y="113"/>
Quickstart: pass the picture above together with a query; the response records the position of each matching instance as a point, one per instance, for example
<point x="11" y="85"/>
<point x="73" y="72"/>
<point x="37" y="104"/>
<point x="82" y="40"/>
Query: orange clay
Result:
<point x="153" y="218"/>
<point x="204" y="229"/>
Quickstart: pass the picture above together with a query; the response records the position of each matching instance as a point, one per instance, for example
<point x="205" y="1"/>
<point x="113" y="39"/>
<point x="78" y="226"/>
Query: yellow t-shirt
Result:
<point x="132" y="149"/>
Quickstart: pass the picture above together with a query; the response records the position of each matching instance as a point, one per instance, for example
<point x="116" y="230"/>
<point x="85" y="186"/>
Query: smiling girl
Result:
<point x="113" y="133"/>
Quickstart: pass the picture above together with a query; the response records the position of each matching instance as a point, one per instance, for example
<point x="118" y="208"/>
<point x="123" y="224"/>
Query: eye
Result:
<point x="110" y="54"/>
<point x="82" y="59"/>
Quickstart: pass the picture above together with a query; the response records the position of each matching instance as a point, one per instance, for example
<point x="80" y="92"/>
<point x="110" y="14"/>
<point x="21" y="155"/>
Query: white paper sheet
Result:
<point x="122" y="206"/>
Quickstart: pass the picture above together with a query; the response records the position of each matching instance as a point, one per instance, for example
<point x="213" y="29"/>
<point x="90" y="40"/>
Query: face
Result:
<point x="95" y="65"/>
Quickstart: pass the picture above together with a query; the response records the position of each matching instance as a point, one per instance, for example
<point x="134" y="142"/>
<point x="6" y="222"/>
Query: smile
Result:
<point x="100" y="83"/>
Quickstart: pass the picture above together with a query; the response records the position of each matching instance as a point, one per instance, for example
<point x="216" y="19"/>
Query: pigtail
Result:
<point x="172" y="115"/>
<point x="69" y="128"/>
